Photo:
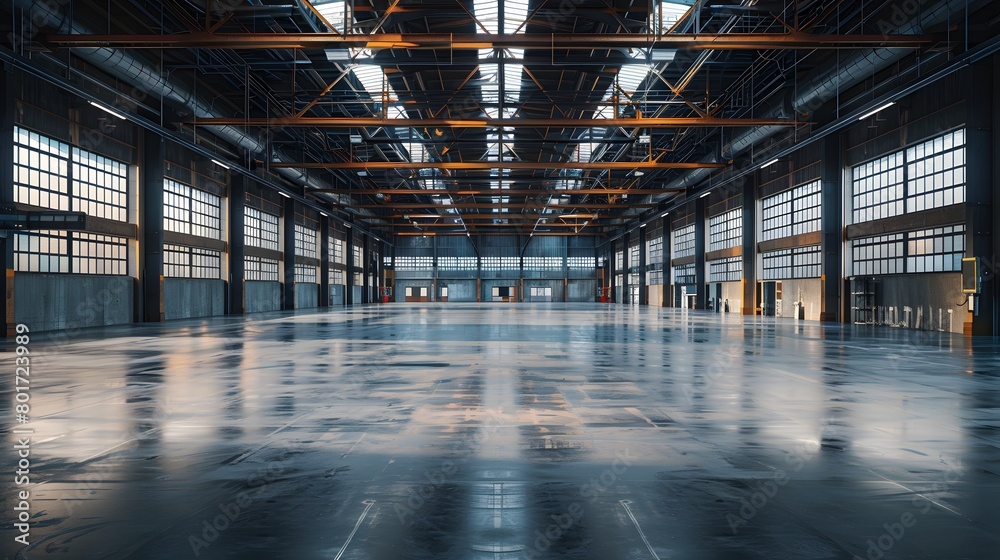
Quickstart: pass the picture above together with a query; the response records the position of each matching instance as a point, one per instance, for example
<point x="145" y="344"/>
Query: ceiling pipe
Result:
<point x="823" y="86"/>
<point x="147" y="78"/>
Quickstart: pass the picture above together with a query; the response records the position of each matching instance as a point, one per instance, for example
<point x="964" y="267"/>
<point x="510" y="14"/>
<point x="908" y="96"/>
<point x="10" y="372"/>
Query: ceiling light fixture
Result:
<point x="220" y="164"/>
<point x="704" y="194"/>
<point x="109" y="111"/>
<point x="283" y="194"/>
<point x="769" y="164"/>
<point x="875" y="111"/>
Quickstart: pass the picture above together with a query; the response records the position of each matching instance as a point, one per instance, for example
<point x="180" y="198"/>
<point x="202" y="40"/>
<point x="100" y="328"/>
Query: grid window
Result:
<point x="683" y="242"/>
<point x="305" y="274"/>
<point x="457" y="263"/>
<point x="795" y="211"/>
<point x="633" y="256"/>
<point x="934" y="177"/>
<point x="100" y="186"/>
<point x="414" y="263"/>
<point x="726" y="270"/>
<point x="305" y="242"/>
<point x="41" y="171"/>
<point x="337" y="277"/>
<point x="99" y="254"/>
<point x="191" y="262"/>
<point x="41" y="251"/>
<point x="337" y="251"/>
<point x="684" y="274"/>
<point x="878" y="188"/>
<point x="581" y="262"/>
<point x="619" y="260"/>
<point x="543" y="263"/>
<point x="260" y="229"/>
<point x="878" y="255"/>
<point x="800" y="262"/>
<point x="777" y="264"/>
<point x="490" y="263"/>
<point x="191" y="211"/>
<point x="655" y="277"/>
<point x="358" y="256"/>
<point x="259" y="268"/>
<point x="935" y="250"/>
<point x="807" y="262"/>
<point x="725" y="230"/>
<point x="936" y="172"/>
<point x="654" y="249"/>
<point x="510" y="263"/>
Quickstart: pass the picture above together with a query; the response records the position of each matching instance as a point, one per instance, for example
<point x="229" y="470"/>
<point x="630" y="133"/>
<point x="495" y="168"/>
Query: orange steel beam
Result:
<point x="517" y="205"/>
<point x="493" y="192"/>
<point x="520" y="223"/>
<point x="362" y="122"/>
<point x="467" y="217"/>
<point x="477" y="165"/>
<point x="475" y="41"/>
<point x="522" y="232"/>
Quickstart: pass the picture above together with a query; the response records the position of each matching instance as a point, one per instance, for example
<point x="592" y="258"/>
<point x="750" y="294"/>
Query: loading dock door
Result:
<point x="504" y="293"/>
<point x="770" y="298"/>
<point x="540" y="294"/>
<point x="416" y="293"/>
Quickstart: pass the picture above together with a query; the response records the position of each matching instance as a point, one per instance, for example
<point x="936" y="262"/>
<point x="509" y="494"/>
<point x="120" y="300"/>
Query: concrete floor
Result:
<point x="499" y="431"/>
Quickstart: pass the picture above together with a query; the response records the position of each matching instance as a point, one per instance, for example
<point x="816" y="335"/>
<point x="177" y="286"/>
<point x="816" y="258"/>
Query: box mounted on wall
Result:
<point x="971" y="281"/>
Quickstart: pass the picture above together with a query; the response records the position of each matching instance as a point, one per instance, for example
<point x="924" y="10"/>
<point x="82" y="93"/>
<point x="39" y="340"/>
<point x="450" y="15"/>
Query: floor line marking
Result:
<point x="635" y="522"/>
<point x="353" y="446"/>
<point x="355" y="530"/>
<point x="921" y="494"/>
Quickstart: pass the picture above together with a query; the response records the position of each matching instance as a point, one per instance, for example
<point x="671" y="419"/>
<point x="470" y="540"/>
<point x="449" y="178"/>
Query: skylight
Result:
<point x="672" y="11"/>
<point x="488" y="14"/>
<point x="335" y="13"/>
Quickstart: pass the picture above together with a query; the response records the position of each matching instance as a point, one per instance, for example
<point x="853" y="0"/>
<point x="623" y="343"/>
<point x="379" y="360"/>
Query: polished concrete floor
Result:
<point x="502" y="431"/>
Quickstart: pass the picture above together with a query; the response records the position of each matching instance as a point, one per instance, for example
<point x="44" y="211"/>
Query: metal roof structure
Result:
<point x="510" y="117"/>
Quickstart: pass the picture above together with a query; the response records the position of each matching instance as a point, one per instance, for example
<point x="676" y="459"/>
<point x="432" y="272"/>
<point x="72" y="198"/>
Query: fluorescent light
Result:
<point x="704" y="194"/>
<point x="348" y="226"/>
<point x="639" y="173"/>
<point x="665" y="214"/>
<point x="283" y="194"/>
<point x="770" y="163"/>
<point x="220" y="164"/>
<point x="324" y="214"/>
<point x="874" y="111"/>
<point x="109" y="111"/>
<point x="642" y="225"/>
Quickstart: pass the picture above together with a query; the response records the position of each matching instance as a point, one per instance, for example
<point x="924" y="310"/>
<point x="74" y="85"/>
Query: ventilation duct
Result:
<point x="145" y="77"/>
<point x="823" y="86"/>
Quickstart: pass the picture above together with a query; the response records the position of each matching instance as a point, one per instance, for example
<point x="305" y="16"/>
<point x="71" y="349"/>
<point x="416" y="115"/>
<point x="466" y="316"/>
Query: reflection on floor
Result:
<point x="467" y="431"/>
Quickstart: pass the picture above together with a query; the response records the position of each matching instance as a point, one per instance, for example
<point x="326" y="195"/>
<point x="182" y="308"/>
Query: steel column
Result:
<point x="832" y="280"/>
<point x="151" y="226"/>
<point x="749" y="304"/>
<point x="288" y="252"/>
<point x="699" y="253"/>
<point x="237" y="244"/>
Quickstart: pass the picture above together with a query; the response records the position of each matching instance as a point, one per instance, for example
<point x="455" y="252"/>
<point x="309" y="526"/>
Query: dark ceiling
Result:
<point x="598" y="106"/>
